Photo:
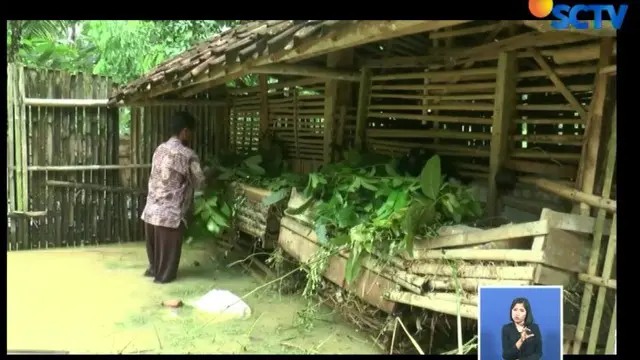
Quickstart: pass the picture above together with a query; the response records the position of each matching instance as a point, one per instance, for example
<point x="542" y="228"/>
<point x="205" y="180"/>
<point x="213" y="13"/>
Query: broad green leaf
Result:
<point x="341" y="240"/>
<point x="254" y="160"/>
<point x="352" y="268"/>
<point x="226" y="210"/>
<point x="391" y="170"/>
<point x="430" y="180"/>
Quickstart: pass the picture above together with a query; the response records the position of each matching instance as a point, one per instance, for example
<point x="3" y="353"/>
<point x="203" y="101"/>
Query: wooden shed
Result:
<point x="489" y="93"/>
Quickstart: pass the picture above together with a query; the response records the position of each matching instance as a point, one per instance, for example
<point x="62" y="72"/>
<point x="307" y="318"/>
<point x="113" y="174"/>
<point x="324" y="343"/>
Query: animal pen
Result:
<point x="489" y="93"/>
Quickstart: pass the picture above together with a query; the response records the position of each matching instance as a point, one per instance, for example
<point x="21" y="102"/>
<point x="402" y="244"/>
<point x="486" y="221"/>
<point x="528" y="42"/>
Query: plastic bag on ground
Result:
<point x="223" y="302"/>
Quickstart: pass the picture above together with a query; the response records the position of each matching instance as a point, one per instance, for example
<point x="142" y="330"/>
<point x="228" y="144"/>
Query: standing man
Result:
<point x="175" y="174"/>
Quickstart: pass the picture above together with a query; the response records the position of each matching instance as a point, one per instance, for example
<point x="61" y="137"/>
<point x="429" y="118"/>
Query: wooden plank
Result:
<point x="474" y="271"/>
<point x="504" y="112"/>
<point x="442" y="306"/>
<point x="506" y="232"/>
<point x="514" y="255"/>
<point x="563" y="249"/>
<point x="574" y="222"/>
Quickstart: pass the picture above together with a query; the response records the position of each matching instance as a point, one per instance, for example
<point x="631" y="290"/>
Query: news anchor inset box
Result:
<point x="520" y="323"/>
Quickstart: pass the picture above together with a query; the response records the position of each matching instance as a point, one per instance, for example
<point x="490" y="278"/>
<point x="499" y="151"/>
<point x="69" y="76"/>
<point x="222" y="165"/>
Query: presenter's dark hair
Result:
<point x="528" y="320"/>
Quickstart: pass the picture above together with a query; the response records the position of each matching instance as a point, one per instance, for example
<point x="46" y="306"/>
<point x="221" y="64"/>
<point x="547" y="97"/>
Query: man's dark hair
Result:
<point x="528" y="320"/>
<point x="182" y="120"/>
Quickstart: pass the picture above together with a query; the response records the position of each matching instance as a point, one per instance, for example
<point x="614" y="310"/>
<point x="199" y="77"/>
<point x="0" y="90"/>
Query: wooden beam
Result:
<point x="335" y="96"/>
<point x="308" y="71"/>
<point x="503" y="113"/>
<point x="364" y="98"/>
<point x="555" y="79"/>
<point x="471" y="30"/>
<point x="264" y="104"/>
<point x="545" y="26"/>
<point x="350" y="36"/>
<point x="589" y="158"/>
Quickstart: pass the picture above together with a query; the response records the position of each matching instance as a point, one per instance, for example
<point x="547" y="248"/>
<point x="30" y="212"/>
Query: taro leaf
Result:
<point x="352" y="269"/>
<point x="341" y="240"/>
<point x="430" y="179"/>
<point x="225" y="175"/>
<point x="218" y="218"/>
<point x="391" y="170"/>
<point x="418" y="214"/>
<point x="401" y="201"/>
<point x="275" y="197"/>
<point x="346" y="217"/>
<point x="200" y="205"/>
<point x="253" y="160"/>
<point x="321" y="233"/>
<point x="243" y="173"/>
<point x="211" y="226"/>
<point x="314" y="180"/>
<point x="397" y="182"/>
<point x="226" y="210"/>
<point x="367" y="185"/>
<point x="255" y="169"/>
<point x="355" y="185"/>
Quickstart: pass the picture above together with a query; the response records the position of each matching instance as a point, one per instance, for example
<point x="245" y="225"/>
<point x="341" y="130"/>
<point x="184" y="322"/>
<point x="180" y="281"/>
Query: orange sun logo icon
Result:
<point x="540" y="8"/>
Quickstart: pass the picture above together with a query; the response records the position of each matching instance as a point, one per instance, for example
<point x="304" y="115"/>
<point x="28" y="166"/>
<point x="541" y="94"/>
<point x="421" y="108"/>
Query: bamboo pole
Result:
<point x="589" y="156"/>
<point x="22" y="149"/>
<point x="599" y="281"/>
<point x="104" y="102"/>
<point x="87" y="167"/>
<point x="597" y="240"/>
<point x="611" y="347"/>
<point x="103" y="188"/>
<point x="442" y="306"/>
<point x="602" y="290"/>
<point x="572" y="194"/>
<point x="11" y="154"/>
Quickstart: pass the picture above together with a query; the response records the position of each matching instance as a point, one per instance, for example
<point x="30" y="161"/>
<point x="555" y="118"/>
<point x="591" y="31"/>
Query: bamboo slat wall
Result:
<point x="295" y="116"/>
<point x="450" y="110"/>
<point x="60" y="206"/>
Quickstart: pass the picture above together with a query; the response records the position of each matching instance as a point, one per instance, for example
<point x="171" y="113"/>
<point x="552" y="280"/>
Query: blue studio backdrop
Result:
<point x="495" y="312"/>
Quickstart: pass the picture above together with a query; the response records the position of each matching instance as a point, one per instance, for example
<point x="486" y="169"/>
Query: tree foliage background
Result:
<point x="120" y="49"/>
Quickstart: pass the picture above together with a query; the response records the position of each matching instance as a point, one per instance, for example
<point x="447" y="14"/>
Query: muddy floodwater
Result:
<point x="95" y="300"/>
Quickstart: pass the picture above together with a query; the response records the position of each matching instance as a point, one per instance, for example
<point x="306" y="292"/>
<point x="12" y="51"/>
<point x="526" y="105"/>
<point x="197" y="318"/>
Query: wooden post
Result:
<point x="264" y="105"/>
<point x="589" y="159"/>
<point x="503" y="119"/>
<point x="364" y="98"/>
<point x="336" y="93"/>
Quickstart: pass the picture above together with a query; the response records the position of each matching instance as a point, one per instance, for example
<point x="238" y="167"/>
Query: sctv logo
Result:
<point x="568" y="15"/>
